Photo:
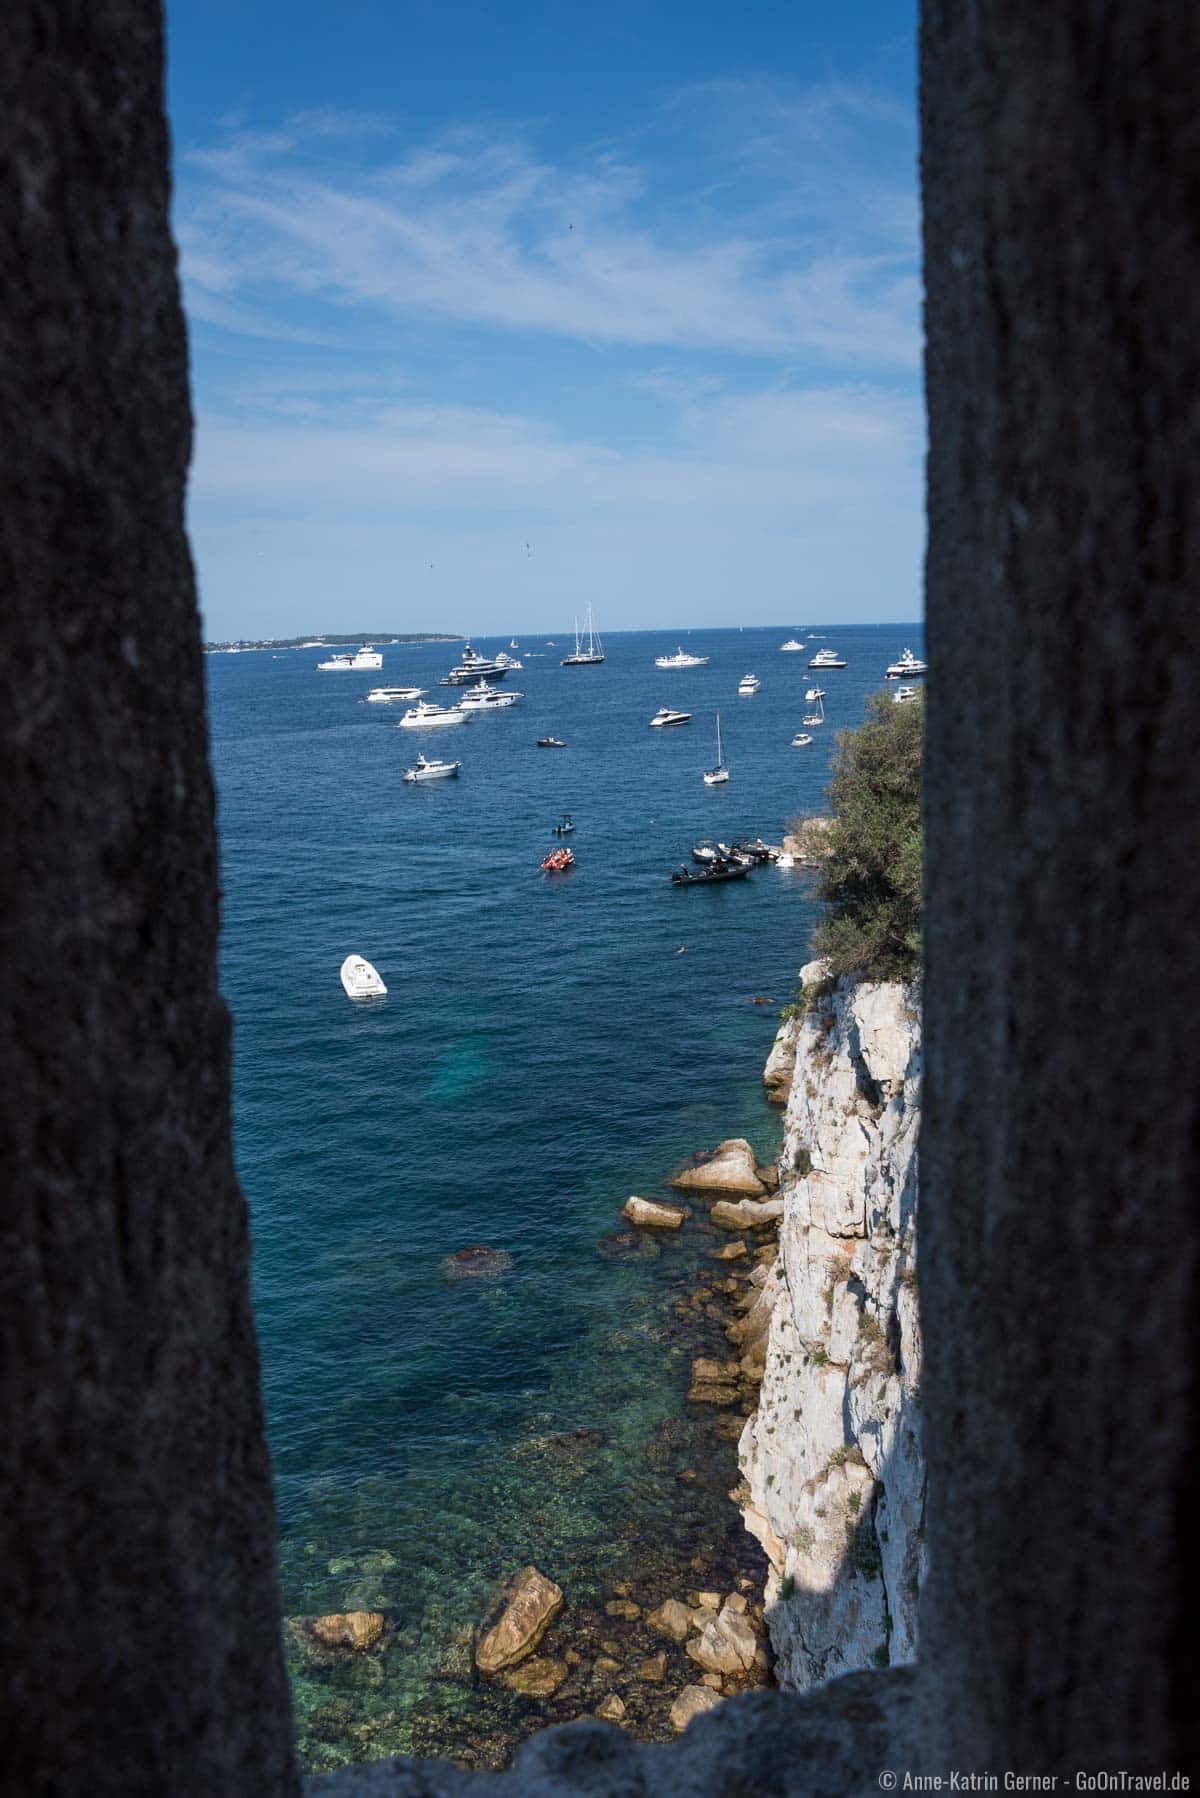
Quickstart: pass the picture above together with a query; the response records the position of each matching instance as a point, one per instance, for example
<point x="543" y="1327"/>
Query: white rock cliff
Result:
<point x="832" y="1457"/>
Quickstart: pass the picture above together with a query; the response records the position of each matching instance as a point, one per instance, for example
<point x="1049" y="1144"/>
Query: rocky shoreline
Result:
<point x="684" y="1626"/>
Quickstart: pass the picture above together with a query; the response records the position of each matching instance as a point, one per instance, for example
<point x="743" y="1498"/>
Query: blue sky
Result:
<point x="496" y="310"/>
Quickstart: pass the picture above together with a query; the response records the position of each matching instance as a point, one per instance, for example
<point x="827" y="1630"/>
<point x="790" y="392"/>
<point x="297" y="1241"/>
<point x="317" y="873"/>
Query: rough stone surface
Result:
<point x="142" y="1641"/>
<point x="1060" y="1153"/>
<point x="539" y="1677"/>
<point x="357" y="1630"/>
<point x="531" y="1602"/>
<point x="777" y="1075"/>
<point x="729" y="1169"/>
<point x="671" y="1619"/>
<point x="651" y="1214"/>
<point x="832" y="1457"/>
<point x="693" y="1701"/>
<point x="745" y="1214"/>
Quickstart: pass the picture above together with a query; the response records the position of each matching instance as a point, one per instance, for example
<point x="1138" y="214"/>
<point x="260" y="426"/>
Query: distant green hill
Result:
<point x="330" y="639"/>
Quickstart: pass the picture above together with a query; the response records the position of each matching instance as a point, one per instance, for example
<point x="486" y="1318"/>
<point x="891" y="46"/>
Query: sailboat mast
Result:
<point x="720" y="763"/>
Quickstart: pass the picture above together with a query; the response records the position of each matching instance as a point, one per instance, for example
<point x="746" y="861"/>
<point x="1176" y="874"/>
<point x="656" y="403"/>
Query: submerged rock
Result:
<point x="537" y="1678"/>
<point x="612" y="1708"/>
<point x="652" y="1215"/>
<point x="693" y="1701"/>
<point x="476" y="1262"/>
<point x="619" y="1245"/>
<point x="730" y="1251"/>
<point x="532" y="1601"/>
<point x="356" y="1630"/>
<point x="708" y="1392"/>
<point x="731" y="1169"/>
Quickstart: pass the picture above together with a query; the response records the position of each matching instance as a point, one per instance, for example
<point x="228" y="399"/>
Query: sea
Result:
<point x="548" y="1045"/>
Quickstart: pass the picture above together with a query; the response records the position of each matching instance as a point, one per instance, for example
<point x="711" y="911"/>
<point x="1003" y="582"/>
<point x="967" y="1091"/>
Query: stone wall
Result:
<point x="140" y="1648"/>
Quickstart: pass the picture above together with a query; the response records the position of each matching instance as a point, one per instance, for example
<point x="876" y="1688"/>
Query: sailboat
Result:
<point x="714" y="776"/>
<point x="815" y="695"/>
<point x="593" y="654"/>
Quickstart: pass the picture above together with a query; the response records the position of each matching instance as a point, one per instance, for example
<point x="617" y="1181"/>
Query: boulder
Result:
<point x="726" y="1644"/>
<point x="357" y="1630"/>
<point x="532" y="1601"/>
<point x="721" y="1373"/>
<point x="623" y="1607"/>
<point x="476" y="1262"/>
<point x="731" y="1169"/>
<point x="612" y="1708"/>
<point x="650" y="1215"/>
<point x="671" y="1619"/>
<point x="539" y="1677"/>
<point x="706" y="1392"/>
<point x="653" y="1668"/>
<point x="745" y="1213"/>
<point x="731" y="1251"/>
<point x="769" y="1175"/>
<point x="693" y="1701"/>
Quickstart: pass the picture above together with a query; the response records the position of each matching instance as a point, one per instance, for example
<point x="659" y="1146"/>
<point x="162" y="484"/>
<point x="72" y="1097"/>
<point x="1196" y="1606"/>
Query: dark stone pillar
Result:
<point x="1061" y="156"/>
<point x="137" y="1582"/>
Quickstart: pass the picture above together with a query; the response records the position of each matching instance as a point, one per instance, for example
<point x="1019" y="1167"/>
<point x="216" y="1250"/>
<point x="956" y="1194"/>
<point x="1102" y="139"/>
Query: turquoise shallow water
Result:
<point x="543" y="1052"/>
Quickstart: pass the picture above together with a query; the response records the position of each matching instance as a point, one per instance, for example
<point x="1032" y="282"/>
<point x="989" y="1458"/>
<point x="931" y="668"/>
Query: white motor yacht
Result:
<point x="360" y="980"/>
<point x="791" y="644"/>
<point x="475" y="667"/>
<point x="366" y="657"/>
<point x="483" y="698"/>
<point x="903" y="695"/>
<point x="801" y="741"/>
<point x="425" y="717"/>
<point x="431" y="770"/>
<point x="681" y="659"/>
<point x="504" y="660"/>
<point x="905" y="667"/>
<point x="393" y="695"/>
<point x="665" y="715"/>
<point x="749" y="684"/>
<point x="827" y="658"/>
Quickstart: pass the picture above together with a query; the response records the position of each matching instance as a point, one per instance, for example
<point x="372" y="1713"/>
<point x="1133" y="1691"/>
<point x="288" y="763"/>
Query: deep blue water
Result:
<point x="544" y="1050"/>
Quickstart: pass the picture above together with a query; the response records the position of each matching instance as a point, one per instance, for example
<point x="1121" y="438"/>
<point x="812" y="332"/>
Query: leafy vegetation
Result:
<point x="870" y="876"/>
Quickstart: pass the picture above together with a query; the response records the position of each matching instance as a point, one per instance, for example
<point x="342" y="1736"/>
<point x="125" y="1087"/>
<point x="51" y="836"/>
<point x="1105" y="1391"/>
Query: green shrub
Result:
<point x="870" y="878"/>
<point x="787" y="1586"/>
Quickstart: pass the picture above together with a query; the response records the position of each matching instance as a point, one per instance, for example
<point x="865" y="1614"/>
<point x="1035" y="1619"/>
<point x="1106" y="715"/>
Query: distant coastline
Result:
<point x="331" y="639"/>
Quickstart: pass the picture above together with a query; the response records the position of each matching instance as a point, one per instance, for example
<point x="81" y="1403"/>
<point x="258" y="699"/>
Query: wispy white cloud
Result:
<point x="477" y="229"/>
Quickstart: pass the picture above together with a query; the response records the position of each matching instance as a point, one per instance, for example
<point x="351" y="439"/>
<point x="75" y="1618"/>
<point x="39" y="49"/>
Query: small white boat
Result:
<point x="366" y="657"/>
<point x="749" y="684"/>
<point x="665" y="716"/>
<point x="513" y="644"/>
<point x="785" y="859"/>
<point x="426" y="716"/>
<point x="681" y="659"/>
<point x="427" y="770"/>
<point x="393" y="695"/>
<point x="717" y="776"/>
<point x="790" y="645"/>
<point x="802" y="741"/>
<point x="361" y="980"/>
<point x="903" y="695"/>
<point x="905" y="667"/>
<point x="827" y="658"/>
